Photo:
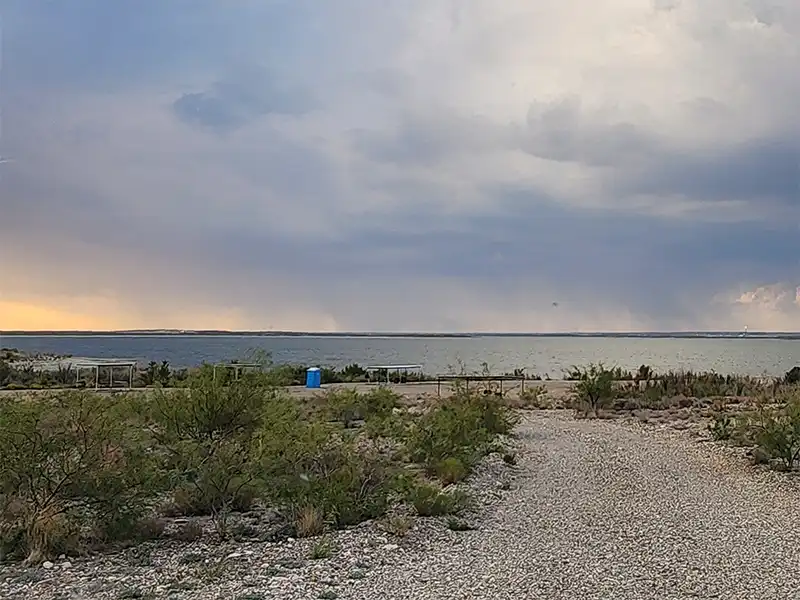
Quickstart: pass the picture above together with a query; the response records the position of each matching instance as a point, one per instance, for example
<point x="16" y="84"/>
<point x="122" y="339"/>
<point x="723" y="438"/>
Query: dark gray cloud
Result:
<point x="763" y="171"/>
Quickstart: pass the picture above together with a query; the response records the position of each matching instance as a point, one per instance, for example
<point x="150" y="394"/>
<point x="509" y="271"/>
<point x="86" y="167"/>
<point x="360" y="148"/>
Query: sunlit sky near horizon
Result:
<point x="402" y="165"/>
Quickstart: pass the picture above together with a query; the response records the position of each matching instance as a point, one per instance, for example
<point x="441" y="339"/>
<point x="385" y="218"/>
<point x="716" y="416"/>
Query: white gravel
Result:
<point x="594" y="509"/>
<point x="614" y="511"/>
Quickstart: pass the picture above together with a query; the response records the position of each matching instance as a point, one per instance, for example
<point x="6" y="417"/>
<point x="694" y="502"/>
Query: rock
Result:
<point x="47" y="565"/>
<point x="66" y="565"/>
<point x="390" y="547"/>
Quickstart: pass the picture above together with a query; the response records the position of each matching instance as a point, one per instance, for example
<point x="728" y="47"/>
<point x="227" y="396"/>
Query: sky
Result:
<point x="400" y="165"/>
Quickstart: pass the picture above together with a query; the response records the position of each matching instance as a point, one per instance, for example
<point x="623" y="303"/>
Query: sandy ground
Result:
<point x="554" y="388"/>
<point x="414" y="390"/>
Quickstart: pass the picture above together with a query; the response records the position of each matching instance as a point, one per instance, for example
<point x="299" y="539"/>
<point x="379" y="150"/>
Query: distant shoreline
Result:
<point x="344" y="334"/>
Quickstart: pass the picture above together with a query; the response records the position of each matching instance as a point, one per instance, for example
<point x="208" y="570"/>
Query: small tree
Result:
<point x="594" y="388"/>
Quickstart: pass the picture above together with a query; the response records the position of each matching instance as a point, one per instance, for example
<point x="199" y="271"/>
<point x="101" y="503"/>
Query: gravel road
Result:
<point x="608" y="511"/>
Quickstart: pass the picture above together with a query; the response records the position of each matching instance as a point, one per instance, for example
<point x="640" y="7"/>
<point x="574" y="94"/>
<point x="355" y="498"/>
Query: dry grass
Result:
<point x="309" y="521"/>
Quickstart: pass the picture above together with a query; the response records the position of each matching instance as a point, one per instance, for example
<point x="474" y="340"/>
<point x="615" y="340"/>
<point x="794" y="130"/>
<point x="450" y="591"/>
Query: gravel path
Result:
<point x="604" y="510"/>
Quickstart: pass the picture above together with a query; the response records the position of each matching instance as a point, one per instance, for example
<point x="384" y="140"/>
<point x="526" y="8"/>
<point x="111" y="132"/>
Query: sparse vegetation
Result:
<point x="323" y="548"/>
<point x="431" y="501"/>
<point x="81" y="470"/>
<point x="775" y="430"/>
<point x="721" y="426"/>
<point x="398" y="525"/>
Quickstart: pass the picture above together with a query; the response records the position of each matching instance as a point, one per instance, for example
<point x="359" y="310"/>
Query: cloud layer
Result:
<point x="401" y="165"/>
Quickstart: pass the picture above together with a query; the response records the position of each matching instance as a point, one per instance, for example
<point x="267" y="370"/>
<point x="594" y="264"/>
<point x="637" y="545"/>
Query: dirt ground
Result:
<point x="554" y="388"/>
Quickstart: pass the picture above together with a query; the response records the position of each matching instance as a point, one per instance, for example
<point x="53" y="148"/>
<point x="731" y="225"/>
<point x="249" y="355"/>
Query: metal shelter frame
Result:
<point x="111" y="363"/>
<point x="484" y="378"/>
<point x="237" y="368"/>
<point x="392" y="369"/>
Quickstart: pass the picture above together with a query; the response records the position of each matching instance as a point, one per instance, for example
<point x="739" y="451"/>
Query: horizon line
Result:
<point x="268" y="332"/>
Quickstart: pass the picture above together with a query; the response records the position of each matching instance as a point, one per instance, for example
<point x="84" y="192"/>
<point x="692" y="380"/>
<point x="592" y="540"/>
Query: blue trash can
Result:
<point x="313" y="377"/>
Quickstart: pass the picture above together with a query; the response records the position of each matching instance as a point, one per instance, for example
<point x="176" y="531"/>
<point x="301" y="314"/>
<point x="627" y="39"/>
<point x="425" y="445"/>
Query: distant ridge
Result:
<point x="216" y="332"/>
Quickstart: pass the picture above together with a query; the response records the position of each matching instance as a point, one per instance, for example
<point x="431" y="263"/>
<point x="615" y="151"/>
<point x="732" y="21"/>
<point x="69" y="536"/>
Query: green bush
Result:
<point x="431" y="501"/>
<point x="461" y="428"/>
<point x="207" y="436"/>
<point x="721" y="427"/>
<point x="349" y="406"/>
<point x="312" y="466"/>
<point x="776" y="431"/>
<point x="67" y="459"/>
<point x="450" y="470"/>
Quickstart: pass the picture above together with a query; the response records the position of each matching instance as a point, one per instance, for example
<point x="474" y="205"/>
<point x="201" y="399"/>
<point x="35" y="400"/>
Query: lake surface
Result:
<point x="437" y="355"/>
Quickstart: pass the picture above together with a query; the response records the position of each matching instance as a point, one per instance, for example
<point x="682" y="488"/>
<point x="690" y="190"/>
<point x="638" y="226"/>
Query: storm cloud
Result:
<point x="402" y="165"/>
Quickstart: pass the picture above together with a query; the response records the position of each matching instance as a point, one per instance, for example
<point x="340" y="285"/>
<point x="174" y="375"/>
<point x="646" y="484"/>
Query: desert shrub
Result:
<point x="394" y="426"/>
<point x="776" y="431"/>
<point x="307" y="463"/>
<point x="324" y="548"/>
<point x="353" y="372"/>
<point x="450" y="470"/>
<point x="534" y="397"/>
<point x="285" y="375"/>
<point x="347" y="484"/>
<point x="207" y="433"/>
<point x="398" y="525"/>
<point x="706" y="384"/>
<point x="493" y="415"/>
<point x="447" y="431"/>
<point x="721" y="427"/>
<point x="344" y="405"/>
<point x="15" y="377"/>
<point x="328" y="375"/>
<point x="576" y="373"/>
<point x="460" y="428"/>
<point x="68" y="459"/>
<point x="594" y="388"/>
<point x="349" y="406"/>
<point x="431" y="501"/>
